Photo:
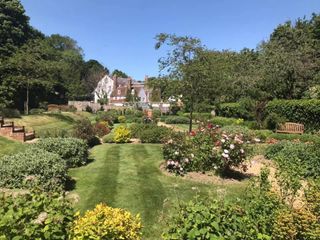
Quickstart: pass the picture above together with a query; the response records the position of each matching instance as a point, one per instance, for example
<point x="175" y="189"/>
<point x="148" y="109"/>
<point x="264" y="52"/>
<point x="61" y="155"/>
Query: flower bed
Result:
<point x="206" y="149"/>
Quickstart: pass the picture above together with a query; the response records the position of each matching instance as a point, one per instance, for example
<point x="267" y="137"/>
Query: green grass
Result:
<point x="50" y="121"/>
<point x="128" y="176"/>
<point x="9" y="146"/>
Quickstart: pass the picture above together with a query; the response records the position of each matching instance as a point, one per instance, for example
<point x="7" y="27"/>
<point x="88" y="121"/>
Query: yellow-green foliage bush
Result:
<point x="105" y="222"/>
<point x="122" y="119"/>
<point x="122" y="134"/>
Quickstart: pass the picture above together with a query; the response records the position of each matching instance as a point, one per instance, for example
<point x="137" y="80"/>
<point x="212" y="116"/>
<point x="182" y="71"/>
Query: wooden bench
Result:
<point x="290" y="127"/>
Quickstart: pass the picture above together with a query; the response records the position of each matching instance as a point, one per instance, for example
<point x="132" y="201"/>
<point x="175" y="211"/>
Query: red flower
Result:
<point x="210" y="125"/>
<point x="192" y="133"/>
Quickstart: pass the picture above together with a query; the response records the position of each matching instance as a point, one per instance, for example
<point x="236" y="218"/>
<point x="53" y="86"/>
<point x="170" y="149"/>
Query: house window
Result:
<point x="119" y="91"/>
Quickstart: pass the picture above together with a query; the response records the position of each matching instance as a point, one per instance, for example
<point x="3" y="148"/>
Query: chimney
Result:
<point x="115" y="80"/>
<point x="129" y="82"/>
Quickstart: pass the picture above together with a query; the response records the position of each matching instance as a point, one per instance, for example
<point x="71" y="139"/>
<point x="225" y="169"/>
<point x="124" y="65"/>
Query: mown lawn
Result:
<point x="9" y="146"/>
<point x="128" y="176"/>
<point x="50" y="121"/>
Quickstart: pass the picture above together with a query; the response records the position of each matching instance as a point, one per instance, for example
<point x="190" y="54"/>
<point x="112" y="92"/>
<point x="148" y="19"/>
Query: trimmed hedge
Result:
<point x="73" y="150"/>
<point x="242" y="109"/>
<point x="34" y="167"/>
<point x="150" y="133"/>
<point x="198" y="116"/>
<point x="301" y="111"/>
<point x="176" y="120"/>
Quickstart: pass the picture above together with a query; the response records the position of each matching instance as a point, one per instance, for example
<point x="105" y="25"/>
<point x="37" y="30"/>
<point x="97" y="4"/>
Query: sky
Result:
<point x="120" y="34"/>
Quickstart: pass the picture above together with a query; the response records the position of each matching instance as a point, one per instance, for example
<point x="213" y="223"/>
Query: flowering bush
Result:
<point x="232" y="151"/>
<point x="204" y="150"/>
<point x="105" y="222"/>
<point x="176" y="151"/>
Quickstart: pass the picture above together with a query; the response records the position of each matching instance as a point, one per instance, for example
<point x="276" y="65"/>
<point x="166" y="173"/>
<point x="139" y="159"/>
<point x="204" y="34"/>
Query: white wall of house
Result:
<point x="104" y="87"/>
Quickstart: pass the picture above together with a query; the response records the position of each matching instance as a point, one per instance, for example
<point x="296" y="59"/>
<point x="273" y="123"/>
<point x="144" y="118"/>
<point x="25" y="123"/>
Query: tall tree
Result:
<point x="119" y="73"/>
<point x="185" y="64"/>
<point x="290" y="60"/>
<point x="14" y="27"/>
<point x="93" y="72"/>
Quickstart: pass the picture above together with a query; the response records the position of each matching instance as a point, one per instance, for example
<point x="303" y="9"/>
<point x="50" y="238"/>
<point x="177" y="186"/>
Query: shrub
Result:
<point x="242" y="109"/>
<point x="176" y="120"/>
<point x="251" y="218"/>
<point x="104" y="222"/>
<point x="156" y="113"/>
<point x="198" y="116"/>
<point x="121" y="119"/>
<point x="89" y="109"/>
<point x="35" y="216"/>
<point x="101" y="128"/>
<point x="296" y="137"/>
<point x="33" y="167"/>
<point x="122" y="135"/>
<point x="177" y="153"/>
<point x="110" y="115"/>
<point x="301" y="111"/>
<point x="296" y="159"/>
<point x="84" y="130"/>
<point x="10" y="113"/>
<point x="223" y="121"/>
<point x="149" y="133"/>
<point x="204" y="150"/>
<point x="108" y="138"/>
<point x="36" y="111"/>
<point x="104" y="117"/>
<point x="247" y="134"/>
<point x="74" y="151"/>
<point x="273" y="121"/>
<point x="156" y="134"/>
<point x="53" y="133"/>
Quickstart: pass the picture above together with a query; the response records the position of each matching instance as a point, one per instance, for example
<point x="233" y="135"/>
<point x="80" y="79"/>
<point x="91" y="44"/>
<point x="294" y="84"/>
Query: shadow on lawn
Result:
<point x="236" y="175"/>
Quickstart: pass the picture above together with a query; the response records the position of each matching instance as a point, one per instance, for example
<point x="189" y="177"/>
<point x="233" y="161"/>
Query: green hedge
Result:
<point x="150" y="133"/>
<point x="73" y="150"/>
<point x="198" y="116"/>
<point x="242" y="109"/>
<point x="176" y="120"/>
<point x="33" y="167"/>
<point x="301" y="111"/>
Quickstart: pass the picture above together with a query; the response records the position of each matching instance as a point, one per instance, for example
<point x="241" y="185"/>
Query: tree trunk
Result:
<point x="191" y="113"/>
<point x="27" y="102"/>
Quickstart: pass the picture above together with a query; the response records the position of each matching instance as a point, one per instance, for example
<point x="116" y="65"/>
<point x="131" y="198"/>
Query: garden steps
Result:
<point x="19" y="133"/>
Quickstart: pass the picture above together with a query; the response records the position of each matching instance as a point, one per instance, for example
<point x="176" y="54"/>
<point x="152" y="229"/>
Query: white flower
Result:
<point x="176" y="153"/>
<point x="232" y="146"/>
<point x="181" y="169"/>
<point x="215" y="167"/>
<point x="241" y="150"/>
<point x="223" y="140"/>
<point x="170" y="141"/>
<point x="257" y="140"/>
<point x="226" y="151"/>
<point x="192" y="155"/>
<point x="186" y="160"/>
<point x="225" y="155"/>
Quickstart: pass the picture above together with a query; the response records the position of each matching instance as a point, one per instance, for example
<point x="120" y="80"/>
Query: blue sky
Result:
<point x="120" y="33"/>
